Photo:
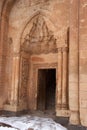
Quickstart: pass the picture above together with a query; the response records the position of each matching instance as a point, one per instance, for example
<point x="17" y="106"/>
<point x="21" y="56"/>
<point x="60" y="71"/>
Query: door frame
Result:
<point x="36" y="67"/>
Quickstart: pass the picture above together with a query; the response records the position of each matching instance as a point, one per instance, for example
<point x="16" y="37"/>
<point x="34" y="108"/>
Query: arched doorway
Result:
<point x="39" y="50"/>
<point x="43" y="57"/>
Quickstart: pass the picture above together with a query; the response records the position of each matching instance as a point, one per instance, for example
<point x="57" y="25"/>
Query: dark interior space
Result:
<point x="46" y="89"/>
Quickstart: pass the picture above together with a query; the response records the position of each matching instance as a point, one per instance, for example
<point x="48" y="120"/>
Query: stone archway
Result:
<point x="36" y="42"/>
<point x="73" y="74"/>
<point x="37" y="47"/>
<point x="47" y="46"/>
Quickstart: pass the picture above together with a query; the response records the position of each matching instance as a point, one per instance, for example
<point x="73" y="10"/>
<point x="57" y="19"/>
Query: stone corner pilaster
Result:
<point x="74" y="118"/>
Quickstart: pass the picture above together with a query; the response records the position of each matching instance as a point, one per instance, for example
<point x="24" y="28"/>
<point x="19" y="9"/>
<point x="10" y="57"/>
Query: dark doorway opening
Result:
<point x="46" y="89"/>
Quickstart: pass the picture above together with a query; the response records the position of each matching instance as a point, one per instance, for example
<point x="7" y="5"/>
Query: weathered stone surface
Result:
<point x="44" y="34"/>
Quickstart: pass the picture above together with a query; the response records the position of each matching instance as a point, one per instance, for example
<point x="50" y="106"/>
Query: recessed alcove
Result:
<point x="46" y="89"/>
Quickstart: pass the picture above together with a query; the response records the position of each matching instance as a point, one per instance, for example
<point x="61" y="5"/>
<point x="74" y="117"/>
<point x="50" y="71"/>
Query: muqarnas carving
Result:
<point x="40" y="39"/>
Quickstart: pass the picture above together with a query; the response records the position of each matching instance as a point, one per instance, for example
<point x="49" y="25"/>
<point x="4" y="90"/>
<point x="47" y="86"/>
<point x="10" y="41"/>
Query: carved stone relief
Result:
<point x="22" y="3"/>
<point x="24" y="79"/>
<point x="40" y="39"/>
<point x="9" y="69"/>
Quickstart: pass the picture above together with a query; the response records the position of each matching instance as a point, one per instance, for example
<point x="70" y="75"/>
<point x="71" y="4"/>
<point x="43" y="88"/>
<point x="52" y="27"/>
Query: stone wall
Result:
<point x="23" y="14"/>
<point x="74" y="62"/>
<point x="3" y="53"/>
<point x="63" y="18"/>
<point x="83" y="60"/>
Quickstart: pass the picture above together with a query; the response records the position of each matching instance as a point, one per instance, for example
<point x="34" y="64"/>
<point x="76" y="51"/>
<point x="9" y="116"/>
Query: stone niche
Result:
<point x="39" y="39"/>
<point x="42" y="69"/>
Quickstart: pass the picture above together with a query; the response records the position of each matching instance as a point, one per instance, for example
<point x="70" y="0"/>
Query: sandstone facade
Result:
<point x="39" y="37"/>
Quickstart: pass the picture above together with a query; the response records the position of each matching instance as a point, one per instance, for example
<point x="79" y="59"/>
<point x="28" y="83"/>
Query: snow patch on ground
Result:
<point x="6" y="128"/>
<point x="26" y="122"/>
